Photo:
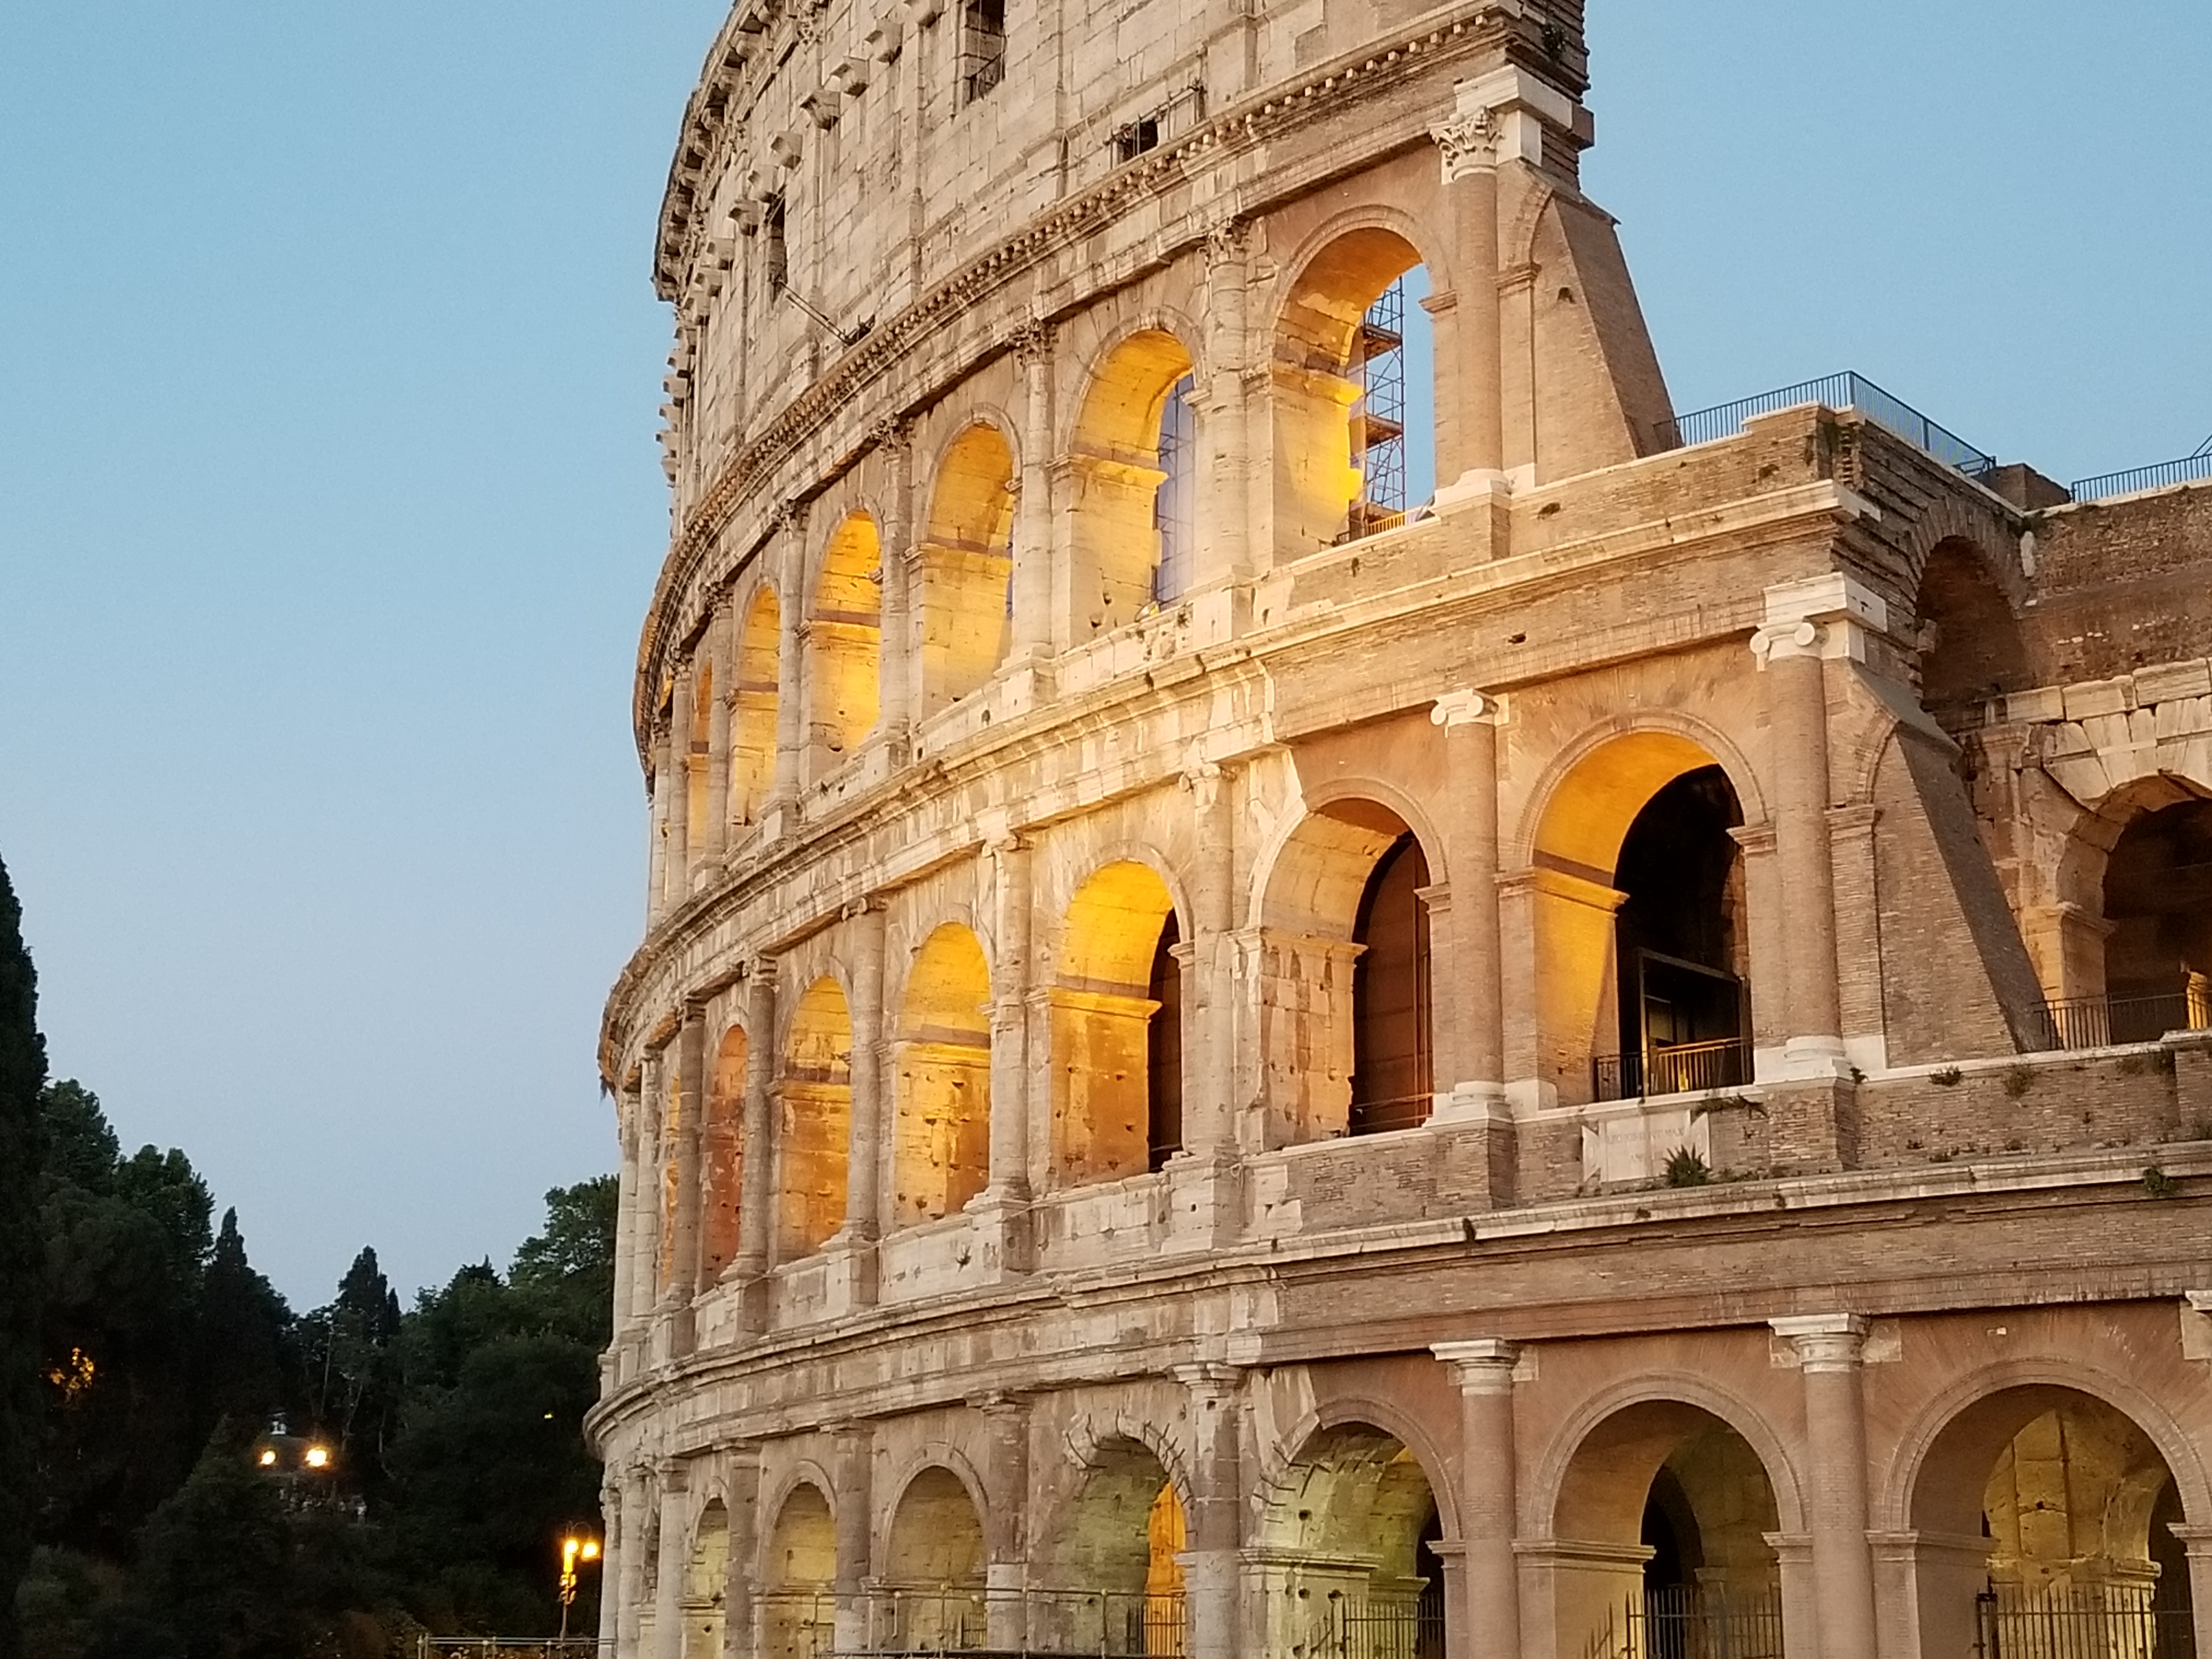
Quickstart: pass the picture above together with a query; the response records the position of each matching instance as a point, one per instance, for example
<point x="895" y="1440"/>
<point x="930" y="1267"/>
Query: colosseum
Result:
<point x="1318" y="984"/>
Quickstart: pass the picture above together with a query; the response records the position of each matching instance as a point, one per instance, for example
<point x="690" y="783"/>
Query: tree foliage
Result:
<point x="22" y="1248"/>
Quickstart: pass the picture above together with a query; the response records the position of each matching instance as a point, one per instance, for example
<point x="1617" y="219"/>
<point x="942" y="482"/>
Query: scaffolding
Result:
<point x="1378" y="418"/>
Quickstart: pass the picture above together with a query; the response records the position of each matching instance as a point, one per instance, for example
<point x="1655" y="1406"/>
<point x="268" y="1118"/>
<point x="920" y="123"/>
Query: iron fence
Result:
<point x="504" y="1647"/>
<point x="1678" y="1069"/>
<point x="1693" y="1622"/>
<point x="2187" y="470"/>
<point x="1398" y="1628"/>
<point x="1049" y="1624"/>
<point x="2115" y="1022"/>
<point x="1845" y="391"/>
<point x="2094" y="1621"/>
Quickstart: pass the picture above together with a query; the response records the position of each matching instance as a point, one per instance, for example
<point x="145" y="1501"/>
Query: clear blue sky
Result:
<point x="329" y="502"/>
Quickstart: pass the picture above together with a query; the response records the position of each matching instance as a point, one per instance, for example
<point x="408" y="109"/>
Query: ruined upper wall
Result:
<point x="2121" y="586"/>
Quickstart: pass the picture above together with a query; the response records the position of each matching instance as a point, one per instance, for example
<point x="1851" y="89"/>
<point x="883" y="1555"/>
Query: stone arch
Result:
<point x="1661" y="1504"/>
<point x="1089" y="1437"/>
<point x="1949" y="519"/>
<point x="1104" y="1093"/>
<point x="1130" y="463"/>
<point x="966" y="556"/>
<point x="721" y="1174"/>
<point x="1329" y="347"/>
<point x="706" y="1583"/>
<point x="1970" y="643"/>
<point x="698" y="745"/>
<point x="1346" y="1005"/>
<point x="1611" y="811"/>
<point x="1370" y="1412"/>
<point x="815" y="1116"/>
<point x="1110" y="1546"/>
<point x="2033" y="1484"/>
<point x="799" y="1570"/>
<point x="935" y="1559"/>
<point x="755" y="688"/>
<point x="2127" y="951"/>
<point x="941" y="1151"/>
<point x="844" y="644"/>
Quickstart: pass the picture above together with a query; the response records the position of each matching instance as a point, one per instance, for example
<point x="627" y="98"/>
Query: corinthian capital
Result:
<point x="1469" y="142"/>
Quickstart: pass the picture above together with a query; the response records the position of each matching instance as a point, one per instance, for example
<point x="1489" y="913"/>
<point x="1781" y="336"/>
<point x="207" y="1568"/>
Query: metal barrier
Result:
<point x="895" y="1620"/>
<point x="2093" y="1621"/>
<point x="1845" y="391"/>
<point x="504" y="1647"/>
<point x="2188" y="470"/>
<point x="2117" y="1022"/>
<point x="1399" y="1628"/>
<point x="1692" y="1622"/>
<point x="1678" y="1069"/>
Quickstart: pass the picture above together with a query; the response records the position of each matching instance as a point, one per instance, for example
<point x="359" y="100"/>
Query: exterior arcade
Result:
<point x="1235" y="1058"/>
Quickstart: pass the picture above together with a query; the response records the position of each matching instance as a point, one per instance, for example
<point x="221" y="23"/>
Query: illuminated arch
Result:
<point x="753" y="708"/>
<point x="721" y="1175"/>
<point x="966" y="556"/>
<point x="800" y="1573"/>
<point x="942" y="1144"/>
<point x="1130" y="481"/>
<point x="815" y="1099"/>
<point x="1103" y="1093"/>
<point x="845" y="645"/>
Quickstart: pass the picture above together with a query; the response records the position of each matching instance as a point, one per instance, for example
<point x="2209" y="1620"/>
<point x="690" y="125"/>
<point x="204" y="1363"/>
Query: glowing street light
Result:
<point x="575" y="1549"/>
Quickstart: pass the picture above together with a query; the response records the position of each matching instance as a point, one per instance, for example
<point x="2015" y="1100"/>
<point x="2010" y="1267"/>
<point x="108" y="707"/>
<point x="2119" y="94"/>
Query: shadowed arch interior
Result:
<point x="845" y="645"/>
<point x="1119" y="480"/>
<point x="722" y="1165"/>
<point x="967" y="565"/>
<point x="936" y="1544"/>
<point x="1972" y="647"/>
<point x="1354" y="1516"/>
<point x="942" y="1156"/>
<point x="753" y="712"/>
<point x="1103" y="1124"/>
<point x="816" y="1119"/>
<point x="799" y="1570"/>
<point x="706" y="1583"/>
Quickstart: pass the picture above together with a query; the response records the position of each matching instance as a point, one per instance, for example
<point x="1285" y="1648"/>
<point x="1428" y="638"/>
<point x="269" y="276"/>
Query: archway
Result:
<point x="798" y="1615"/>
<point x="2045" y="1518"/>
<point x="752" y="725"/>
<point x="934" y="1567"/>
<point x="2158" y="904"/>
<point x="1348" y="1542"/>
<point x="721" y="1175"/>
<point x="1663" y="1520"/>
<point x="1130" y="510"/>
<point x="942" y="1145"/>
<point x="1346" y="997"/>
<point x="1355" y="448"/>
<point x="699" y="718"/>
<point x="967" y="568"/>
<point x="1970" y="645"/>
<point x="816" y="1098"/>
<point x="1105" y="1125"/>
<point x="706" y="1583"/>
<point x="845" y="646"/>
<point x="1110" y="1578"/>
<point x="1641" y="924"/>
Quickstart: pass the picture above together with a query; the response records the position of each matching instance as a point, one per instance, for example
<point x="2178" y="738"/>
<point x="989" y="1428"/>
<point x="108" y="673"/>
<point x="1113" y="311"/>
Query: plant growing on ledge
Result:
<point x="1687" y="1169"/>
<point x="1950" y="1078"/>
<point x="2018" y="1080"/>
<point x="2158" y="1184"/>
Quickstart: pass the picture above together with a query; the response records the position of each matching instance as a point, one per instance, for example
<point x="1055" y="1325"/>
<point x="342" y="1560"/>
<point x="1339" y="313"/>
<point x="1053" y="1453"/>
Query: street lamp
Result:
<point x="574" y="1551"/>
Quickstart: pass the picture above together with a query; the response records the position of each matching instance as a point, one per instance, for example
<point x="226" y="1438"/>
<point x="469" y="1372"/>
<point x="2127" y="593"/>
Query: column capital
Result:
<point x="1484" y="1365"/>
<point x="1827" y="616"/>
<point x="1209" y="1381"/>
<point x="1825" y="1342"/>
<point x="1469" y="143"/>
<point x="1456" y="708"/>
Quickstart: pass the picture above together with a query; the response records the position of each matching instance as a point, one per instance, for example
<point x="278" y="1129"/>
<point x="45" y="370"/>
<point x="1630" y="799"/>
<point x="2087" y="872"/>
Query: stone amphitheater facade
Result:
<point x="1223" y="1063"/>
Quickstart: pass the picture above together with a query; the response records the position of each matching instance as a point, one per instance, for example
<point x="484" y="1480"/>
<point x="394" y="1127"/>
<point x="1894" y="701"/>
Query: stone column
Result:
<point x="677" y="768"/>
<point x="626" y="1228"/>
<point x="756" y="1197"/>
<point x="1040" y="609"/>
<point x="628" y="1568"/>
<point x="894" y="445"/>
<point x="1829" y="1348"/>
<point x="683" y="1254"/>
<point x="656" y="861"/>
<point x="1010" y="1033"/>
<point x="863" y="1206"/>
<point x="1469" y="431"/>
<point x="1213" y="1528"/>
<point x="1223" y="527"/>
<point x="854" y="1477"/>
<point x="1488" y="1517"/>
<point x="1007" y="1573"/>
<point x="1209" y="1046"/>
<point x="652" y="1197"/>
<point x="2197" y="1542"/>
<point x="675" y="1553"/>
<point x="742" y="1468"/>
<point x="1477" y="1006"/>
<point x="790" y="661"/>
<point x="721" y="667"/>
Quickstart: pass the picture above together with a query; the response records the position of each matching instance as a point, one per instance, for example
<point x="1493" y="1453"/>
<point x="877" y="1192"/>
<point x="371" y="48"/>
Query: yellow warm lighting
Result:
<point x="318" y="1457"/>
<point x="269" y="1458"/>
<point x="591" y="1549"/>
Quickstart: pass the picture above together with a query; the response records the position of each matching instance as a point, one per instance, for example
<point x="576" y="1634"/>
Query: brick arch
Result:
<point x="803" y="1472"/>
<point x="1096" y="1535"/>
<point x="1949" y="519"/>
<point x="1085" y="1439"/>
<point x="1303" y="264"/>
<point x="1056" y="906"/>
<point x="1342" y="1411"/>
<point x="908" y="940"/>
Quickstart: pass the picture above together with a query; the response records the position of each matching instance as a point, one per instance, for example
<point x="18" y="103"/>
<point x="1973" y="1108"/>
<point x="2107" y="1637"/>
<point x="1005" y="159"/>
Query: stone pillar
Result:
<point x="656" y="862"/>
<point x="1483" y="1370"/>
<point x="683" y="1252"/>
<point x="721" y="658"/>
<point x="1010" y="1033"/>
<point x="1041" y="610"/>
<point x="652" y="1197"/>
<point x="1007" y="1481"/>
<point x="742" y="1468"/>
<point x="1209" y="1046"/>
<point x="676" y="769"/>
<point x="1476" y="1011"/>
<point x="855" y="1515"/>
<point x="628" y="1568"/>
<point x="757" y="1199"/>
<point x="1470" y="438"/>
<point x="894" y="445"/>
<point x="1214" y="1530"/>
<point x="852" y="1251"/>
<point x="2197" y="1541"/>
<point x="1222" y="523"/>
<point x="610" y="1559"/>
<point x="675" y="1553"/>
<point x="1829" y="1349"/>
<point x="790" y="661"/>
<point x="626" y="1228"/>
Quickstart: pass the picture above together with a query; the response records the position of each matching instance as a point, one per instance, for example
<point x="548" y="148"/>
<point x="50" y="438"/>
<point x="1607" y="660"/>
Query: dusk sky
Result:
<point x="329" y="502"/>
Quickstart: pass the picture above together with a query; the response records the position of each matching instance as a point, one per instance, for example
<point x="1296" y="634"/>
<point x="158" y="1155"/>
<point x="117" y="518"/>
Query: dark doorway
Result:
<point x="1680" y="941"/>
<point x="1392" y="1084"/>
<point x="1163" y="1050"/>
<point x="2158" y="898"/>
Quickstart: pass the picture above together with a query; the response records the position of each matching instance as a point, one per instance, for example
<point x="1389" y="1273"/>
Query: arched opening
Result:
<point x="1102" y="1021"/>
<point x="2073" y="1507"/>
<point x="1640" y="919"/>
<point x="1346" y="1019"/>
<point x="696" y="756"/>
<point x="1348" y="1542"/>
<point x="752" y="724"/>
<point x="816" y="1102"/>
<point x="2158" y="904"/>
<point x="1109" y="1575"/>
<point x="1131" y="500"/>
<point x="934" y="1567"/>
<point x="1664" y="1518"/>
<point x="845" y="644"/>
<point x="942" y="1156"/>
<point x="1970" y="645"/>
<point x="1393" y="1068"/>
<point x="967" y="568"/>
<point x="721" y="1175"/>
<point x="1354" y="404"/>
<point x="798" y="1613"/>
<point x="1164" y="1050"/>
<point x="706" y="1584"/>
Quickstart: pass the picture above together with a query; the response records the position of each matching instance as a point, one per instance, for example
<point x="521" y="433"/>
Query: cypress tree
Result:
<point x="22" y="1254"/>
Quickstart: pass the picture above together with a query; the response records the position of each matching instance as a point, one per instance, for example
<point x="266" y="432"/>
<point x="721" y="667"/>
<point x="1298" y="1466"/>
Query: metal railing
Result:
<point x="2091" y="1621"/>
<point x="2116" y="1022"/>
<point x="1692" y="1622"/>
<point x="1845" y="391"/>
<point x="1679" y="1069"/>
<point x="504" y="1647"/>
<point x="1397" y="1628"/>
<point x="1381" y="1117"/>
<point x="2187" y="470"/>
<point x="1072" y="1624"/>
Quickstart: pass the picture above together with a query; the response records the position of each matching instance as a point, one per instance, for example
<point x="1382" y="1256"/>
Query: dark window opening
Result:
<point x="1429" y="1610"/>
<point x="774" y="247"/>
<point x="1391" y="1085"/>
<point x="1132" y="138"/>
<point x="982" y="47"/>
<point x="1164" y="1050"/>
<point x="1680" y="942"/>
<point x="2158" y="900"/>
<point x="1174" y="513"/>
